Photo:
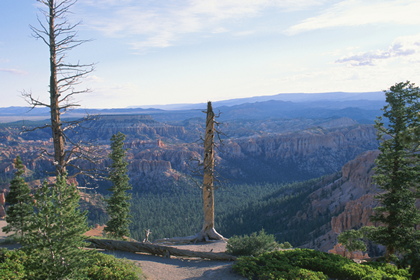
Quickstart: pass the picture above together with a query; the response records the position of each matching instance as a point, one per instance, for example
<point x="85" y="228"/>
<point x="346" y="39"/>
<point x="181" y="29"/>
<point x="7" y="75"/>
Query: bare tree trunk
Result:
<point x="165" y="251"/>
<point x="56" y="125"/>
<point x="208" y="232"/>
<point x="60" y="36"/>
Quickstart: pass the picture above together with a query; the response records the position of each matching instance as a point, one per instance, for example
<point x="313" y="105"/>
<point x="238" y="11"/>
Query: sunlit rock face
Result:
<point x="297" y="155"/>
<point x="2" y="202"/>
<point x="350" y="200"/>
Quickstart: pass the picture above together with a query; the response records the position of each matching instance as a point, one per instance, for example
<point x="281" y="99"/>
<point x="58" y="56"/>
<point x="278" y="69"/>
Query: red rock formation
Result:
<point x="339" y="249"/>
<point x="150" y="167"/>
<point x="2" y="198"/>
<point x="356" y="214"/>
<point x="350" y="199"/>
<point x="300" y="144"/>
<point x="2" y="202"/>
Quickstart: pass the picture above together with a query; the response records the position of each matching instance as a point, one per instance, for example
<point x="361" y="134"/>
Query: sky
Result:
<point x="149" y="52"/>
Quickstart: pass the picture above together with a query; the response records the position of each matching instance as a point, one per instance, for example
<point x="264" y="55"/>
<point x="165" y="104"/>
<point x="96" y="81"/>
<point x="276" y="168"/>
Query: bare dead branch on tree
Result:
<point x="61" y="37"/>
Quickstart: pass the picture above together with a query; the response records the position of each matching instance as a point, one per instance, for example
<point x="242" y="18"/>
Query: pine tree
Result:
<point x="397" y="172"/>
<point x="55" y="239"/>
<point x="119" y="203"/>
<point x="20" y="208"/>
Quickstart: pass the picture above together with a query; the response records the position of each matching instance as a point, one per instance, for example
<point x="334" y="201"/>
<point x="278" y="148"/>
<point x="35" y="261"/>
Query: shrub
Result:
<point x="15" y="264"/>
<point x="285" y="245"/>
<point x="251" y="245"/>
<point x="389" y="270"/>
<point x="12" y="264"/>
<point x="314" y="265"/>
<point x="107" y="267"/>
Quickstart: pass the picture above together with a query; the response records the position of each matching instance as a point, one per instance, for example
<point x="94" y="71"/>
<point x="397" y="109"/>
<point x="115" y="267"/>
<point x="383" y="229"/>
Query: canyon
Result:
<point x="261" y="142"/>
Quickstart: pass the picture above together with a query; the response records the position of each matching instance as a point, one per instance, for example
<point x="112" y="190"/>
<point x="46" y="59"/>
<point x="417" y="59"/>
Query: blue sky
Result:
<point x="189" y="51"/>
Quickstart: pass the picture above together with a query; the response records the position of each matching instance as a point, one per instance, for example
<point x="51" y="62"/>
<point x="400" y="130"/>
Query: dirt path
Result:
<point x="2" y="234"/>
<point x="176" y="268"/>
<point x="158" y="268"/>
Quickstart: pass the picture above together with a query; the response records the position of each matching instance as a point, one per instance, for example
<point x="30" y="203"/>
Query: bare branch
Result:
<point x="34" y="102"/>
<point x="60" y="36"/>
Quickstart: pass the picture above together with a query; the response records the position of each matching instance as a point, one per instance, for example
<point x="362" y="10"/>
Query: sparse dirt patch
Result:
<point x="181" y="268"/>
<point x="2" y="234"/>
<point x="175" y="268"/>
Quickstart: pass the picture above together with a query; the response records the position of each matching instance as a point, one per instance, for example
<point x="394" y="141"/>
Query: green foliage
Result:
<point x="20" y="207"/>
<point x="166" y="215"/>
<point x="119" y="203"/>
<point x="285" y="245"/>
<point x="251" y="245"/>
<point x="354" y="240"/>
<point x="397" y="173"/>
<point x="12" y="264"/>
<point x="241" y="209"/>
<point x="55" y="236"/>
<point x="311" y="264"/>
<point x="106" y="267"/>
<point x="16" y="264"/>
<point x="270" y="206"/>
<point x="389" y="269"/>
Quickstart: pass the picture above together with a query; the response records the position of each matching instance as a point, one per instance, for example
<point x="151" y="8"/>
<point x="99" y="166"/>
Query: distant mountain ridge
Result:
<point x="293" y="97"/>
<point x="291" y="105"/>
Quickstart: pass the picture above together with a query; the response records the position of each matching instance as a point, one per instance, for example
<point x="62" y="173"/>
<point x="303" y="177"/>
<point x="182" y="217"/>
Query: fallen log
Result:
<point x="159" y="250"/>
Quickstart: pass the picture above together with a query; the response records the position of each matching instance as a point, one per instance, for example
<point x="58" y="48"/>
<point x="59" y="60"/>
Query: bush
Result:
<point x="107" y="267"/>
<point x="251" y="245"/>
<point x="285" y="245"/>
<point x="389" y="269"/>
<point x="12" y="264"/>
<point x="15" y="263"/>
<point x="314" y="265"/>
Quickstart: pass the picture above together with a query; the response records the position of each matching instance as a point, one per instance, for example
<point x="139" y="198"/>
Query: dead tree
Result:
<point x="60" y="37"/>
<point x="147" y="232"/>
<point x="208" y="231"/>
<point x="154" y="249"/>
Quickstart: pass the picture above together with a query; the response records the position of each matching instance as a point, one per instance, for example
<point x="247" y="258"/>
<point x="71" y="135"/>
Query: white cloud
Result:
<point x="162" y="23"/>
<point x="106" y="3"/>
<point x="219" y="30"/>
<point x="361" y="12"/>
<point x="13" y="71"/>
<point x="161" y="40"/>
<point x="94" y="79"/>
<point x="406" y="46"/>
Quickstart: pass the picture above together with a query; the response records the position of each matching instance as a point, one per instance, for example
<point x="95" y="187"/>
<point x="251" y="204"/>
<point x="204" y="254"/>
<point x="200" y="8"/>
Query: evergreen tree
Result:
<point x="397" y="172"/>
<point x="55" y="239"/>
<point x="353" y="240"/>
<point x="20" y="208"/>
<point x="119" y="203"/>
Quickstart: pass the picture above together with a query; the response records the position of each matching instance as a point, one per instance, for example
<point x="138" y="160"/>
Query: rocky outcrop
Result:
<point x="142" y="127"/>
<point x="151" y="168"/>
<point x="298" y="155"/>
<point x="356" y="214"/>
<point x="156" y="151"/>
<point x="140" y="144"/>
<point x="280" y="157"/>
<point x="349" y="200"/>
<point x="2" y="203"/>
<point x="304" y="143"/>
